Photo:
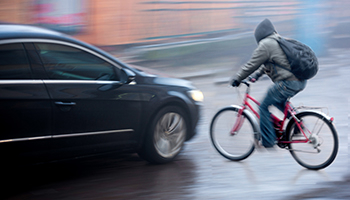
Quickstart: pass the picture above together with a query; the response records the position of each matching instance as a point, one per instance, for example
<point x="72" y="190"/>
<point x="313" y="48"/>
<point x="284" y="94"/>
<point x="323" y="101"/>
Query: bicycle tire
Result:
<point x="233" y="147"/>
<point x="320" y="131"/>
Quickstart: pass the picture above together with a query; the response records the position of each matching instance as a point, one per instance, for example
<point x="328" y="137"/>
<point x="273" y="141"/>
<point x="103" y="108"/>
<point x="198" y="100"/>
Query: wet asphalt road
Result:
<point x="199" y="172"/>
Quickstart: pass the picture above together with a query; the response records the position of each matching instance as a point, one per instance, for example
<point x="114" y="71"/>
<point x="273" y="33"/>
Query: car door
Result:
<point x="25" y="108"/>
<point x="92" y="108"/>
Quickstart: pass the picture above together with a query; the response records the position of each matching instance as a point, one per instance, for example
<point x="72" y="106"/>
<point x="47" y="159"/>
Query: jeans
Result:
<point x="277" y="95"/>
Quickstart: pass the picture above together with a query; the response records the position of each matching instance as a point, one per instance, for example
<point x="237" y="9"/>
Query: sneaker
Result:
<point x="280" y="143"/>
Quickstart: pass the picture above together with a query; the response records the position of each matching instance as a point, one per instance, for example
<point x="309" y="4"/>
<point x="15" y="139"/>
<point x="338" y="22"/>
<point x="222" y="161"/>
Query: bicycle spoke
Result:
<point x="235" y="146"/>
<point x="322" y="147"/>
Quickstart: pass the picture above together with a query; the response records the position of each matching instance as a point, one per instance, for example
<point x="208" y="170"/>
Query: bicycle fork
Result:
<point x="238" y="123"/>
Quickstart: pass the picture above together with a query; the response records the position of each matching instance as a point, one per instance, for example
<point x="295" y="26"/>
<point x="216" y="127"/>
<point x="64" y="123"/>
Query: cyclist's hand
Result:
<point x="252" y="79"/>
<point x="235" y="83"/>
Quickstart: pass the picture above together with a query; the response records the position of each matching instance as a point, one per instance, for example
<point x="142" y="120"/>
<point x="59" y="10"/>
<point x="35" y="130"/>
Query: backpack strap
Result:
<point x="275" y="64"/>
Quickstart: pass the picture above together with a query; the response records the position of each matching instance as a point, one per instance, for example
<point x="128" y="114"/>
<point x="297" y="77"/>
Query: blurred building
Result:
<point x="117" y="22"/>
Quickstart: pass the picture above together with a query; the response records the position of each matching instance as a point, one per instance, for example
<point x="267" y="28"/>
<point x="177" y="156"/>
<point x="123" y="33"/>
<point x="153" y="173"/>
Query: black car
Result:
<point x="62" y="98"/>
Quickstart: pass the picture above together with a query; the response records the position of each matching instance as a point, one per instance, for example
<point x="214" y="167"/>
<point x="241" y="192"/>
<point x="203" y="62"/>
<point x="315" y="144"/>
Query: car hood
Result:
<point x="155" y="77"/>
<point x="147" y="71"/>
<point x="172" y="82"/>
<point x="164" y="81"/>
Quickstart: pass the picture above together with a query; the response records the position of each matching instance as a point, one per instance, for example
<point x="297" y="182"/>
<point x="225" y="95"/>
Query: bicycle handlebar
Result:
<point x="246" y="83"/>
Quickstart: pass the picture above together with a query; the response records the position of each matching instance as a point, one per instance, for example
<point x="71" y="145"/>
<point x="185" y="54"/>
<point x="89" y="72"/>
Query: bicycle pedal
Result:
<point x="282" y="145"/>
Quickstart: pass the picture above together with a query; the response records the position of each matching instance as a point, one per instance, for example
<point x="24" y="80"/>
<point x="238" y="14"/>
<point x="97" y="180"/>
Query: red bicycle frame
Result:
<point x="277" y="122"/>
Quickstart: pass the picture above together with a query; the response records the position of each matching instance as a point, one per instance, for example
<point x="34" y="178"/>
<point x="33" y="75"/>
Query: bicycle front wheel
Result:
<point x="239" y="145"/>
<point x="322" y="147"/>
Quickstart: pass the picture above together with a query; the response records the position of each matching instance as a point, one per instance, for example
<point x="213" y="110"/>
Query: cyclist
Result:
<point x="269" y="58"/>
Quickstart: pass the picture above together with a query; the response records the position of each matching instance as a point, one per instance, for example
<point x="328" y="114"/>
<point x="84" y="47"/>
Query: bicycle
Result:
<point x="309" y="135"/>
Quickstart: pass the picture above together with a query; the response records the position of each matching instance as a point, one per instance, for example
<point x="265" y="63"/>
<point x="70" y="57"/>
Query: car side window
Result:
<point x="14" y="62"/>
<point x="67" y="63"/>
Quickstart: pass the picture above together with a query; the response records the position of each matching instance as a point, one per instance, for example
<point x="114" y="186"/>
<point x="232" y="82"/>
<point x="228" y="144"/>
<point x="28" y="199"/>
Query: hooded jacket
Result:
<point x="267" y="57"/>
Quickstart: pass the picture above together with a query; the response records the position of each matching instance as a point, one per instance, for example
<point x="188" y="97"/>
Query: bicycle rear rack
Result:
<point x="302" y="107"/>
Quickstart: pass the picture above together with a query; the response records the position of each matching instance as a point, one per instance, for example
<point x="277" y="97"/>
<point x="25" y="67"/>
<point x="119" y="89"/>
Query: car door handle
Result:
<point x="65" y="104"/>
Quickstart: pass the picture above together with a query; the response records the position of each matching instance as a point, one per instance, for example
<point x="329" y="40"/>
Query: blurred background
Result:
<point x="204" y="41"/>
<point x="138" y="29"/>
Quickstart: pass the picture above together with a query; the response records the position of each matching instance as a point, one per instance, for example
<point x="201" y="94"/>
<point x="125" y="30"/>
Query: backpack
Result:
<point x="302" y="59"/>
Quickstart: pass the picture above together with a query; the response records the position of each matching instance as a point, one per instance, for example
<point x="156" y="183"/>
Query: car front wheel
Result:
<point x="166" y="135"/>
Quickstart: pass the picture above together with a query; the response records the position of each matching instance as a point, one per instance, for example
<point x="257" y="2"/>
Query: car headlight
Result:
<point x="196" y="95"/>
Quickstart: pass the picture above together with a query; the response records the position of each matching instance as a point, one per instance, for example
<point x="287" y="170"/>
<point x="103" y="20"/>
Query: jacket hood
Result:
<point x="264" y="29"/>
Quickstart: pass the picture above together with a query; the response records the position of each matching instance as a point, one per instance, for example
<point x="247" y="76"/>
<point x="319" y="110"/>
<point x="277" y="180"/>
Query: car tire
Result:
<point x="165" y="136"/>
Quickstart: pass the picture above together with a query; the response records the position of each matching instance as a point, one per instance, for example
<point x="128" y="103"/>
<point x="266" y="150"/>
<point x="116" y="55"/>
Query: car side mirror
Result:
<point x="127" y="76"/>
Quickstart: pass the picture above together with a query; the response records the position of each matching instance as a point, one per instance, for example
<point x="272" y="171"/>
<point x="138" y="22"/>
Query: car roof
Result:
<point x="20" y="31"/>
<point x="15" y="31"/>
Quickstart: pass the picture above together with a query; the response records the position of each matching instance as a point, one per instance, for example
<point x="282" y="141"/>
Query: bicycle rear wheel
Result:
<point x="237" y="146"/>
<point x="322" y="147"/>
